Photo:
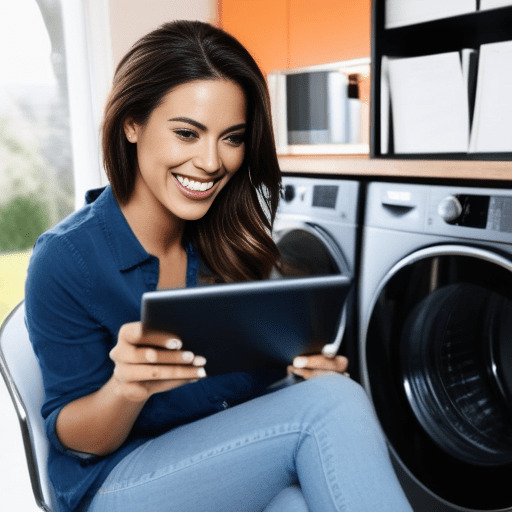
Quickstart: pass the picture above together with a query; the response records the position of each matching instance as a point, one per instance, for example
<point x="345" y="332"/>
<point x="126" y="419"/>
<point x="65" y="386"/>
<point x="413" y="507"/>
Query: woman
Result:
<point x="133" y="420"/>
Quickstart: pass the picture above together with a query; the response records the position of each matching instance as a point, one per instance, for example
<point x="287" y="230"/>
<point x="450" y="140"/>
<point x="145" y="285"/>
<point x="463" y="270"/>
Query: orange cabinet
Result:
<point x="323" y="31"/>
<point x="285" y="34"/>
<point x="261" y="26"/>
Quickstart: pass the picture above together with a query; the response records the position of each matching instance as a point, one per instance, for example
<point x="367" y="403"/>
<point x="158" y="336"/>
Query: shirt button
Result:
<point x="225" y="405"/>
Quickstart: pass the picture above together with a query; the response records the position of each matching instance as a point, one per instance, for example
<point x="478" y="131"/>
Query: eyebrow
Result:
<point x="203" y="127"/>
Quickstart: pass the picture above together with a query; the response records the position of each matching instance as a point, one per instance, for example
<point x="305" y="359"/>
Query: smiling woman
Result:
<point x="190" y="135"/>
<point x="222" y="79"/>
<point x="194" y="134"/>
<point x="133" y="420"/>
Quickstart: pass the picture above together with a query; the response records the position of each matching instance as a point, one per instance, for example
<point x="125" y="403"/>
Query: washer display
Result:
<point x="436" y="340"/>
<point x="316" y="230"/>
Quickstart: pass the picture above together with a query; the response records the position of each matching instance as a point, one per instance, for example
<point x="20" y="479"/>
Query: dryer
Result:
<point x="316" y="230"/>
<point x="436" y="339"/>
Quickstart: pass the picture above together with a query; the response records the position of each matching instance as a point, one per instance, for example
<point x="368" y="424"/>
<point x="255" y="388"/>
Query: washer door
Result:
<point x="308" y="250"/>
<point x="438" y="364"/>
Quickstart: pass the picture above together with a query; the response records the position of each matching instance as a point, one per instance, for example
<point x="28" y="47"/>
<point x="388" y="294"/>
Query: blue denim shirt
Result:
<point x="85" y="280"/>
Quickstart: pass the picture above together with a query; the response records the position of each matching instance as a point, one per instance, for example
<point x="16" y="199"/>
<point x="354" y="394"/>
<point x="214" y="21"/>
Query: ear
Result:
<point x="131" y="129"/>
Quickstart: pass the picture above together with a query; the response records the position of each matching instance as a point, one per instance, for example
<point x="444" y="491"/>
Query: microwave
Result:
<point x="321" y="109"/>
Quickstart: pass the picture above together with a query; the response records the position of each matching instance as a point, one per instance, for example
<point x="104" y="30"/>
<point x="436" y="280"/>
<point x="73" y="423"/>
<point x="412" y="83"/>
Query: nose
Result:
<point x="207" y="157"/>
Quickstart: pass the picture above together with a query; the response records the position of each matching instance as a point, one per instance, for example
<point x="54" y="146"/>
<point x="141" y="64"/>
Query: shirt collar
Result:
<point x="126" y="248"/>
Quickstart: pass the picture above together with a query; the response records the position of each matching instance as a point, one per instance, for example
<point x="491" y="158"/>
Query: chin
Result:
<point x="192" y="213"/>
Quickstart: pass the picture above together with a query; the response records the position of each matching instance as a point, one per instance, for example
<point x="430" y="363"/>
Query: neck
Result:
<point x="158" y="230"/>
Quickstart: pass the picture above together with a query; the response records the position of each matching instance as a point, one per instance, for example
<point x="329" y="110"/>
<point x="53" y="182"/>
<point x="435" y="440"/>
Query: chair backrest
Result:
<point x="22" y="375"/>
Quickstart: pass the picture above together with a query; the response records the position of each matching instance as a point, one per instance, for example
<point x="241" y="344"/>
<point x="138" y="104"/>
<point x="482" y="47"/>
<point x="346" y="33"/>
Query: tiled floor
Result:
<point x="15" y="490"/>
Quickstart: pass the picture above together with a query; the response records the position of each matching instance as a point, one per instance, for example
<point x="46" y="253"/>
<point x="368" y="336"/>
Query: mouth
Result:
<point x="194" y="185"/>
<point x="195" y="188"/>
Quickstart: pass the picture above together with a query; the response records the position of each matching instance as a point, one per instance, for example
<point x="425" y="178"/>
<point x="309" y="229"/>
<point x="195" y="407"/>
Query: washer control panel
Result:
<point x="320" y="198"/>
<point x="478" y="213"/>
<point x="490" y="211"/>
<point x="450" y="209"/>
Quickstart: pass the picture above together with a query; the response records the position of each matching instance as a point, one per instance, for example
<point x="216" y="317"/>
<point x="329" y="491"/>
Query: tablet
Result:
<point x="244" y="326"/>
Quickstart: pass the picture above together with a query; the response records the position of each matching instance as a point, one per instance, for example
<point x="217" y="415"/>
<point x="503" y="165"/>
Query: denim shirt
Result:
<point x="85" y="280"/>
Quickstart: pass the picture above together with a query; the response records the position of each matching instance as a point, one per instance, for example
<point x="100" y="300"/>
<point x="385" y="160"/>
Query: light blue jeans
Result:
<point x="311" y="447"/>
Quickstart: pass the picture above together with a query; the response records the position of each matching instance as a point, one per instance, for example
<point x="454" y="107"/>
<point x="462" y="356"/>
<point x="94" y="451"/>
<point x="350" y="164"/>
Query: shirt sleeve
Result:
<point x="71" y="345"/>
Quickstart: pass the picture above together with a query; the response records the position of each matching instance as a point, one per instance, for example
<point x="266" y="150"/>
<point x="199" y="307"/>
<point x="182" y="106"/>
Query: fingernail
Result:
<point x="187" y="356"/>
<point x="173" y="344"/>
<point x="199" y="361"/>
<point x="300" y="362"/>
<point x="201" y="372"/>
<point x="151" y="355"/>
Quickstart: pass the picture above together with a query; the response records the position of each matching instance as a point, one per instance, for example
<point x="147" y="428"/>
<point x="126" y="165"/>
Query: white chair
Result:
<point x="20" y="370"/>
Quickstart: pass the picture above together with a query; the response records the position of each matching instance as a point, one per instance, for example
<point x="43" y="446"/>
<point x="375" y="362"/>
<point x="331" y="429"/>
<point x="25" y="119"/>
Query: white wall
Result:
<point x="131" y="19"/>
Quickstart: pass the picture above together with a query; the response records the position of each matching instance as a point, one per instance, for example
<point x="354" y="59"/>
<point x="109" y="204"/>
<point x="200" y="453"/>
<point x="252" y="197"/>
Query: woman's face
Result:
<point x="190" y="147"/>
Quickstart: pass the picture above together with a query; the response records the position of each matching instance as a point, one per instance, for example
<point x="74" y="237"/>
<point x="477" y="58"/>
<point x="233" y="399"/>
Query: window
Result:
<point x="48" y="122"/>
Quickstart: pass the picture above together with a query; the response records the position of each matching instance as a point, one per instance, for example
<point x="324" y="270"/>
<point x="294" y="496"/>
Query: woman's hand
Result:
<point x="149" y="363"/>
<point x="308" y="367"/>
<point x="145" y="364"/>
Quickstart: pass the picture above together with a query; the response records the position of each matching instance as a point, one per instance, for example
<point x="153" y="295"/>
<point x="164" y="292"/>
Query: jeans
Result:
<point x="314" y="446"/>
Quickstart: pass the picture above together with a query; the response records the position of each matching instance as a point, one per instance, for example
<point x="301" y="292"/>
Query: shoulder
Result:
<point x="64" y="254"/>
<point x="62" y="242"/>
<point x="75" y="233"/>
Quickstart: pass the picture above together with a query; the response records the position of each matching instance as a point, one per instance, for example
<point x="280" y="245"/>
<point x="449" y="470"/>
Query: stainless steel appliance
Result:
<point x="316" y="230"/>
<point x="318" y="109"/>
<point x="436" y="339"/>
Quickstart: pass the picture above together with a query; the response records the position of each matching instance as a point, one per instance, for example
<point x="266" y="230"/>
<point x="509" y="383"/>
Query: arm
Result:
<point x="76" y="304"/>
<point x="145" y="364"/>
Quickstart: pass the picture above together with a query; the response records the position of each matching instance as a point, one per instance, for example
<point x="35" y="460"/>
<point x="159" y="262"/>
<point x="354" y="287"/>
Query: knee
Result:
<point x="332" y="392"/>
<point x="337" y="387"/>
<point x="339" y="392"/>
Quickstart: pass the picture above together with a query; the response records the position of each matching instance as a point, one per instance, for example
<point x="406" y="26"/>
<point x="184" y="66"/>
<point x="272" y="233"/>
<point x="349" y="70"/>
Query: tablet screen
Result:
<point x="244" y="326"/>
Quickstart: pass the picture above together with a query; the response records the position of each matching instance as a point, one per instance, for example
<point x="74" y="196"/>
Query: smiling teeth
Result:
<point x="194" y="185"/>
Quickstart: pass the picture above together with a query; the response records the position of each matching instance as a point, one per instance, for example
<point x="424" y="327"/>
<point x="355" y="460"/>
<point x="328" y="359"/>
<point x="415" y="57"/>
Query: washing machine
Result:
<point x="436" y="339"/>
<point x="316" y="230"/>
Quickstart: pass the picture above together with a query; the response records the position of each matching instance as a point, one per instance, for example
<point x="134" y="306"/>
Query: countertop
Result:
<point x="362" y="165"/>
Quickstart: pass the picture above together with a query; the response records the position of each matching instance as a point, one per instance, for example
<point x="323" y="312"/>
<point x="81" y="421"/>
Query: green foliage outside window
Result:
<point x="27" y="205"/>
<point x="22" y="220"/>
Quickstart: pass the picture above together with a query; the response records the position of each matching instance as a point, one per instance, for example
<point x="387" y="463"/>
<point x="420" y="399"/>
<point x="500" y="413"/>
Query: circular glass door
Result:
<point x="307" y="250"/>
<point x="439" y="367"/>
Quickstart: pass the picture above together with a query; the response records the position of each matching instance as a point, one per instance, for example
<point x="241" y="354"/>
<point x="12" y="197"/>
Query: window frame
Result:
<point x="89" y="69"/>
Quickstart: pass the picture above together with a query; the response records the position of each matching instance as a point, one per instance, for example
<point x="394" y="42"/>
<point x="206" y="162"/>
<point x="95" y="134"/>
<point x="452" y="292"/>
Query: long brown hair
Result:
<point x="234" y="237"/>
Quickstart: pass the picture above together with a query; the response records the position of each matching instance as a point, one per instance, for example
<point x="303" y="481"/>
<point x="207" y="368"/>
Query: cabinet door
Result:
<point x="328" y="30"/>
<point x="262" y="27"/>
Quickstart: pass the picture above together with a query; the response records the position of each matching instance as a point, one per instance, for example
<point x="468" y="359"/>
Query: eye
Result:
<point x="186" y="134"/>
<point x="236" y="139"/>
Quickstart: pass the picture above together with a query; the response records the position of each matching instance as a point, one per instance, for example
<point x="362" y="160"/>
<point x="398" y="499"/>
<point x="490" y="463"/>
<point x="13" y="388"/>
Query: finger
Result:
<point x="135" y="334"/>
<point x="162" y="356"/>
<point x="140" y="391"/>
<point x="306" y="373"/>
<point x="162" y="340"/>
<point x="130" y="333"/>
<point x="337" y="364"/>
<point x="134" y="354"/>
<point x="141" y="372"/>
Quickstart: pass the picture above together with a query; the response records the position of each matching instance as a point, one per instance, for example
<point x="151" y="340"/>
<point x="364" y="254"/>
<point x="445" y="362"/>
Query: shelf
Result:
<point x="357" y="165"/>
<point x="469" y="30"/>
<point x="446" y="34"/>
